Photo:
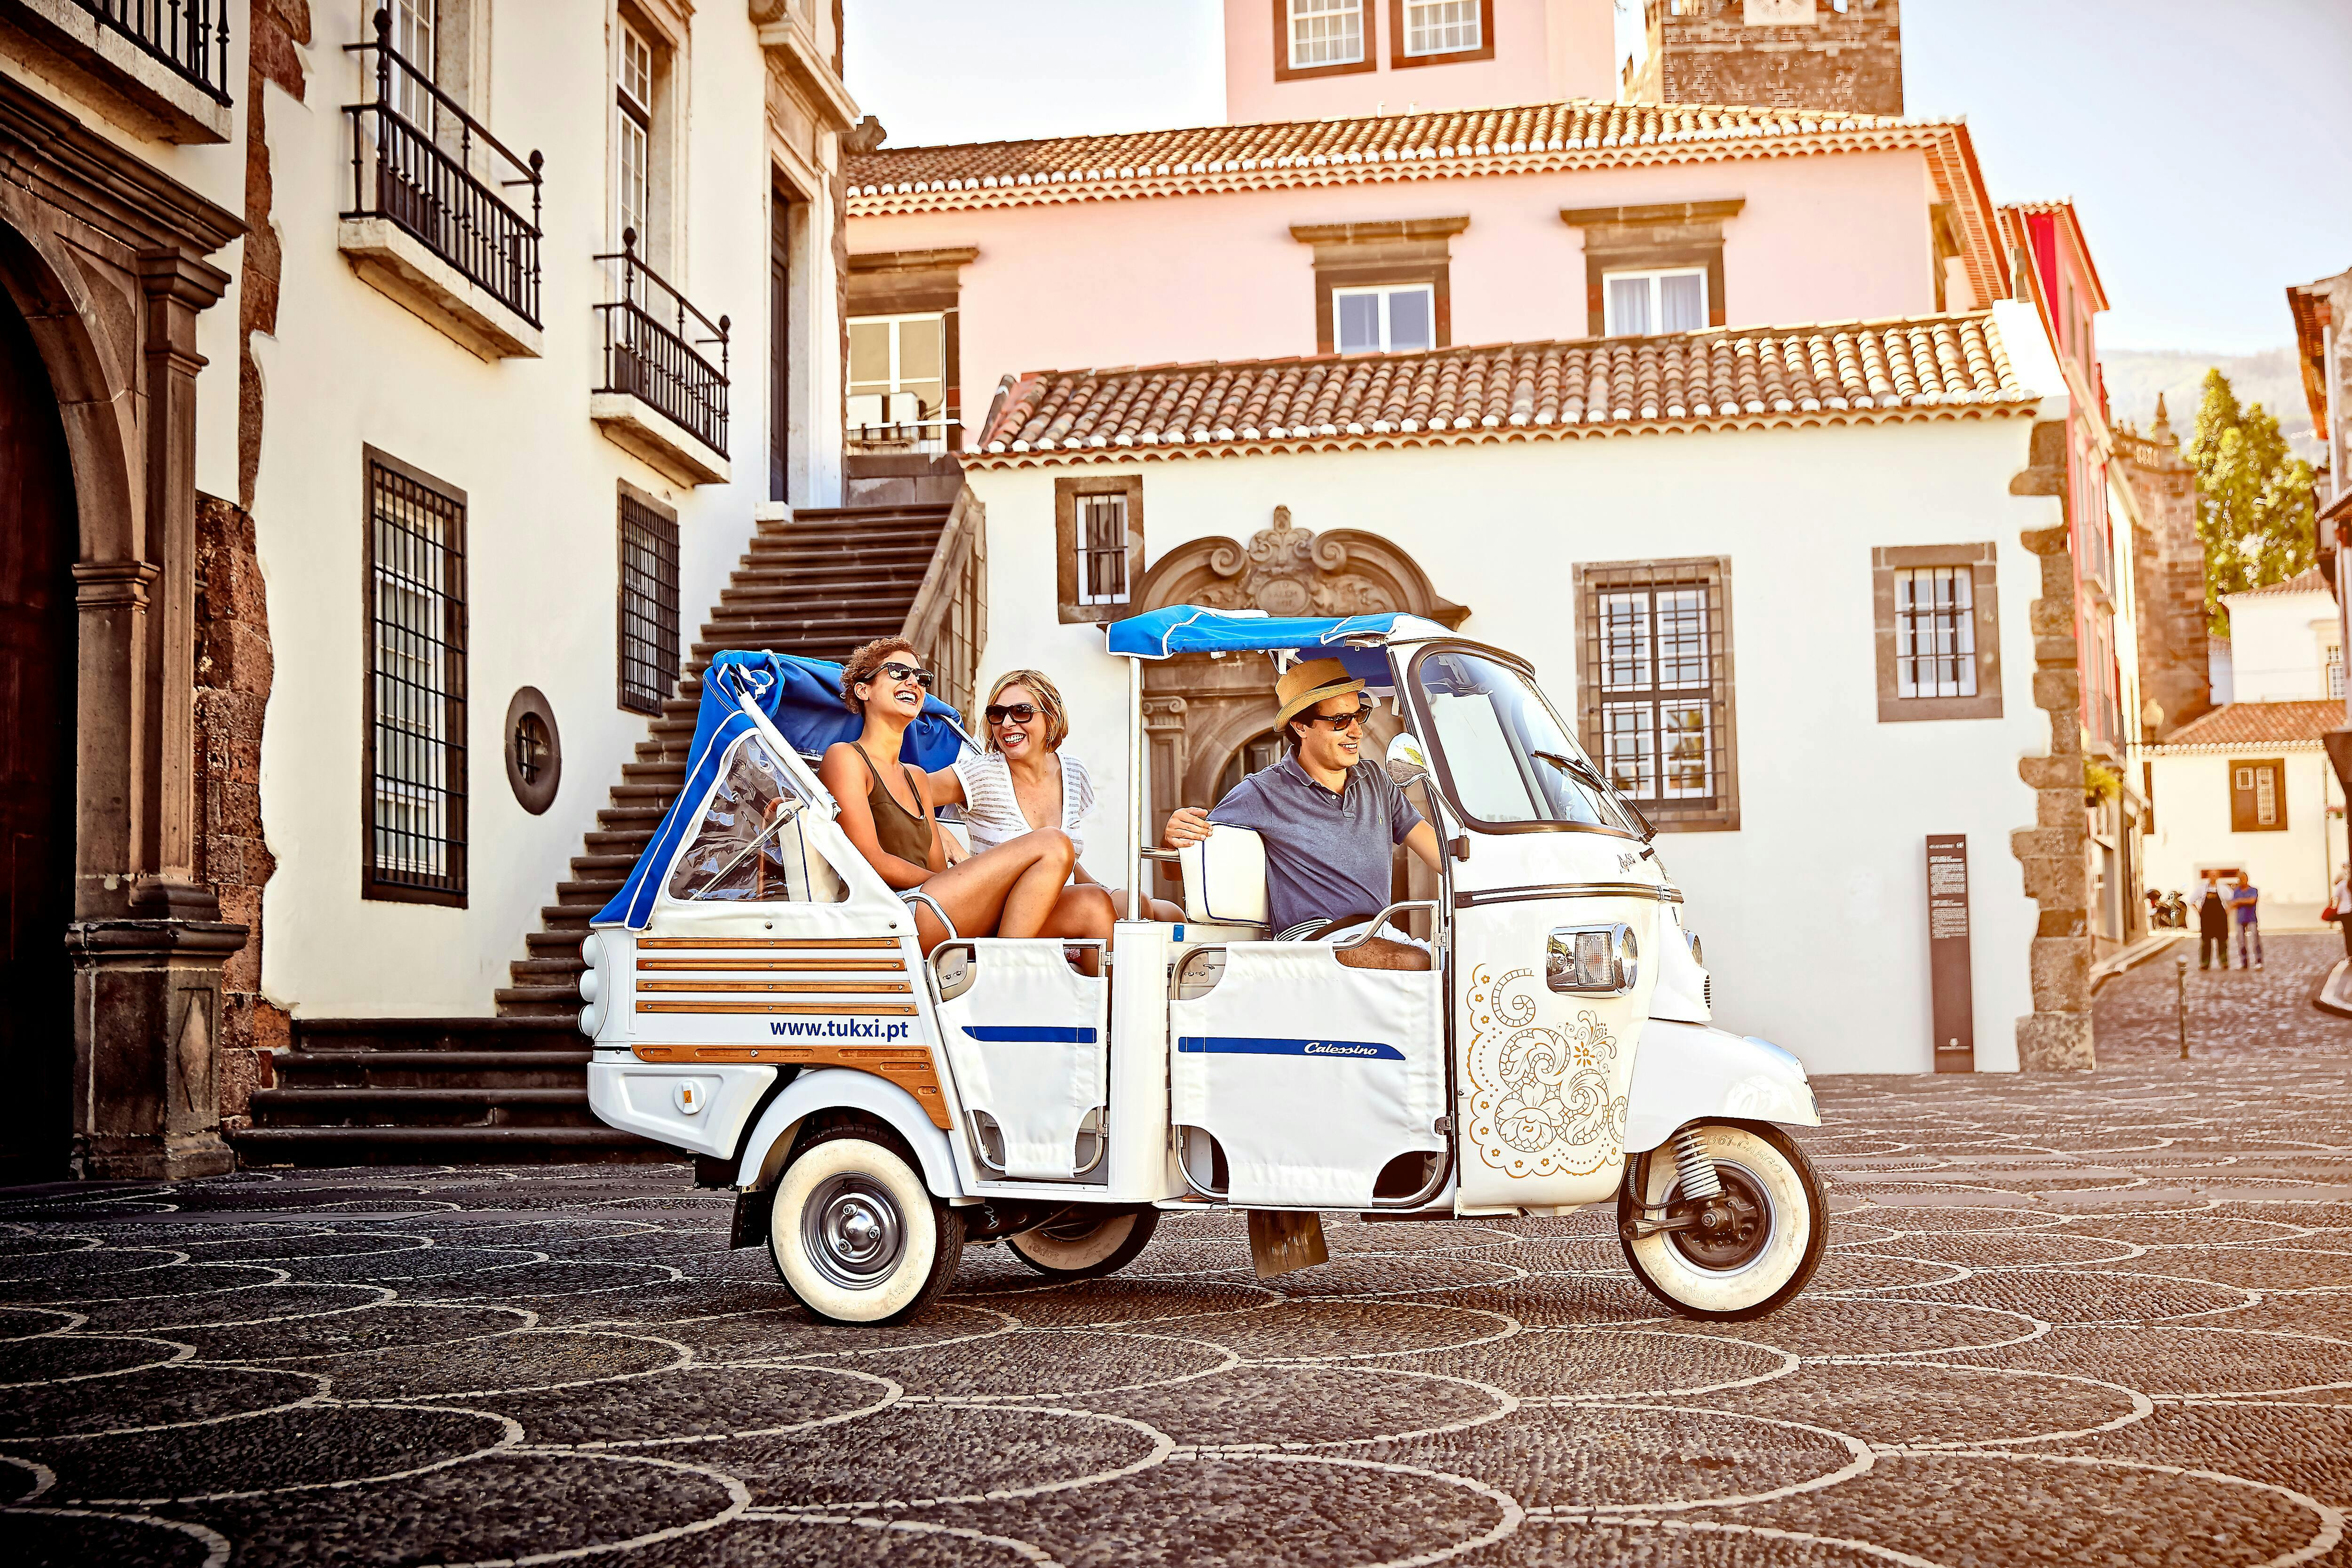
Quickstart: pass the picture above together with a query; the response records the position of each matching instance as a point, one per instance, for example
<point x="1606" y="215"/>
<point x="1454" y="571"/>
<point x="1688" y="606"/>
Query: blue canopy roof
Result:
<point x="1189" y="628"/>
<point x="801" y="698"/>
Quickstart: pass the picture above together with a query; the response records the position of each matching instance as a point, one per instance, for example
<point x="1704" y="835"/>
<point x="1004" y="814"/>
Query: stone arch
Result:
<point x="1199" y="711"/>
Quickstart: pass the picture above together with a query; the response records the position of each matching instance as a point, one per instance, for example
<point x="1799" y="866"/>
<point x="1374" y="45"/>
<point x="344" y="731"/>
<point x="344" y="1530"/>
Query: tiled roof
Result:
<point x="1850" y="373"/>
<point x="1577" y="132"/>
<point x="2260" y="724"/>
<point x="2307" y="581"/>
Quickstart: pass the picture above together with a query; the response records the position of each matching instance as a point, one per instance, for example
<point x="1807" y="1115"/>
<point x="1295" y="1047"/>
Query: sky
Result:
<point x="2197" y="139"/>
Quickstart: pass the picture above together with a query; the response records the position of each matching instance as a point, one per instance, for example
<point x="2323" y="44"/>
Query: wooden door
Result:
<point x="36" y="698"/>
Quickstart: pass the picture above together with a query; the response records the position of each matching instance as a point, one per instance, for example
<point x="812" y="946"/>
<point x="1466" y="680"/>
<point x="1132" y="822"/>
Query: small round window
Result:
<point x="534" y="751"/>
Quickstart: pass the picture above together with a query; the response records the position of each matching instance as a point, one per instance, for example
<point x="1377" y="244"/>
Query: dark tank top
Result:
<point x="896" y="830"/>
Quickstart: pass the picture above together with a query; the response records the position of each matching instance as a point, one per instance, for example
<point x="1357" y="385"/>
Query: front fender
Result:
<point x="1683" y="1072"/>
<point x="846" y="1089"/>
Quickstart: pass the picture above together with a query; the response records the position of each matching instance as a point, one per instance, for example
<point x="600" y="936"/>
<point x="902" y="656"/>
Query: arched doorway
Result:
<point x="36" y="760"/>
<point x="1210" y="719"/>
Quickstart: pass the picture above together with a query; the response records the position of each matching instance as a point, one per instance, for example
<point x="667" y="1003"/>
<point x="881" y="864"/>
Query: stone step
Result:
<point x="340" y="1036"/>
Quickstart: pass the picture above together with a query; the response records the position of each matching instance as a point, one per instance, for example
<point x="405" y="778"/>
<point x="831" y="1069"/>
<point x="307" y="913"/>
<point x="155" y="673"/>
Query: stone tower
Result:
<point x="2168" y="575"/>
<point x="1840" y="55"/>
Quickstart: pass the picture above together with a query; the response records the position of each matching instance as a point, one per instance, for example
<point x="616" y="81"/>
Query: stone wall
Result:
<point x="233" y="665"/>
<point x="1739" y="51"/>
<point x="2168" y="576"/>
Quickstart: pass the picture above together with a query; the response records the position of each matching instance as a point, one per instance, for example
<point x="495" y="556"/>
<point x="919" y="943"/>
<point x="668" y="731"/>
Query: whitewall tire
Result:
<point x="856" y="1235"/>
<point x="1766" y="1262"/>
<point x="1087" y="1245"/>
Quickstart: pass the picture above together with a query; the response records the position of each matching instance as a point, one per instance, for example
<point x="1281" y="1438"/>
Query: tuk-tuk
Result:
<point x="758" y="995"/>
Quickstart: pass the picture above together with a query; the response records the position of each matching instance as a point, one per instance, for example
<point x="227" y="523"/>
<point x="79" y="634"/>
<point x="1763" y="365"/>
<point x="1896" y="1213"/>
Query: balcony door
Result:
<point x="37" y="760"/>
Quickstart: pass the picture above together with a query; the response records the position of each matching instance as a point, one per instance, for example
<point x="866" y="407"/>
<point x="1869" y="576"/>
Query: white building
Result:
<point x="399" y="383"/>
<point x="2248" y="787"/>
<point x="1765" y="569"/>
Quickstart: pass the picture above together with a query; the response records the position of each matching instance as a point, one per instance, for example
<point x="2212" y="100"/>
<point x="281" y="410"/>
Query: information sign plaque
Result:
<point x="1948" y="953"/>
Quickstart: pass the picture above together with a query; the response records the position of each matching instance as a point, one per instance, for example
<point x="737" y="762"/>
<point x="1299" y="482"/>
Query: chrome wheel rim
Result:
<point x="853" y="1232"/>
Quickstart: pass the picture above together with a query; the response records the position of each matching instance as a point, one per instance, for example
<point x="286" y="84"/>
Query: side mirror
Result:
<point x="1406" y="759"/>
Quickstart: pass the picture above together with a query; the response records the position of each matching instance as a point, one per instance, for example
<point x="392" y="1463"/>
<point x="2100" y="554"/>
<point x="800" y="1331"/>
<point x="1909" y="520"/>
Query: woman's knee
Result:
<point x="1052" y="845"/>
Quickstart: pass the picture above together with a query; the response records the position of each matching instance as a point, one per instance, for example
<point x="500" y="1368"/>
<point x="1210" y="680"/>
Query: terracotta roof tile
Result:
<point x="1575" y="133"/>
<point x="2259" y="724"/>
<point x="2307" y="581"/>
<point x="1846" y="372"/>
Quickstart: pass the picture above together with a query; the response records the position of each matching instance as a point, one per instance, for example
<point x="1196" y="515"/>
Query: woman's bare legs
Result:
<point x="1159" y="909"/>
<point x="1008" y="891"/>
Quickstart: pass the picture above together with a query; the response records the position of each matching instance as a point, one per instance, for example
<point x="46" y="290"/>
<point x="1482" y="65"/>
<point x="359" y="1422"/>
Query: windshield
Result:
<point x="1507" y="756"/>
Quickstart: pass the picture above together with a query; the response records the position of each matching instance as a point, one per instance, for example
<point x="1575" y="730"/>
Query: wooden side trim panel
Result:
<point x="893" y="1009"/>
<point x="673" y="943"/>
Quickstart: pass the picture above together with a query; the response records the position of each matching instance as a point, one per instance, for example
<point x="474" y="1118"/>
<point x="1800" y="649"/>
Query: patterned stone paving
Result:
<point x="2066" y="1320"/>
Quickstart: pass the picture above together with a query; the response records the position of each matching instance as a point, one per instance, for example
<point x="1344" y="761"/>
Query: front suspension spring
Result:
<point x="1698" y="1171"/>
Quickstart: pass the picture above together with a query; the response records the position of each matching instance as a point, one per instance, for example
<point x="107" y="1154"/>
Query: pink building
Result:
<point x="1319" y="59"/>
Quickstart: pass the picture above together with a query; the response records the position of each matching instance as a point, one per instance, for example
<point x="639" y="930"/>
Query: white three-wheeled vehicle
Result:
<point x="757" y="994"/>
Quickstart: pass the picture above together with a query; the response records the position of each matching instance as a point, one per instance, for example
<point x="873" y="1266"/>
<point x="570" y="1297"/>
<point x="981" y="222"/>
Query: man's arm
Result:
<point x="1423" y="842"/>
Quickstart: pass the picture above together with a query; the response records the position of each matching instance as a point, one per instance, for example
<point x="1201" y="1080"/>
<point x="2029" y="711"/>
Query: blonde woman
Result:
<point x="1023" y="782"/>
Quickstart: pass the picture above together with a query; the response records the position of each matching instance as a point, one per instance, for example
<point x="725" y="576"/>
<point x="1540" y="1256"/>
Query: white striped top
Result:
<point x="993" y="812"/>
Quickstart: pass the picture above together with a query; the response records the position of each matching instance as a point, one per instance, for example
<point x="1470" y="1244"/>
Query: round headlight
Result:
<point x="591" y="985"/>
<point x="592" y="1019"/>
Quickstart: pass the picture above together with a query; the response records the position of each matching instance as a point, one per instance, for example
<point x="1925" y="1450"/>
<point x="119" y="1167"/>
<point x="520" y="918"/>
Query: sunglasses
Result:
<point x="1342" y="721"/>
<point x="896" y="671"/>
<point x="1019" y="712"/>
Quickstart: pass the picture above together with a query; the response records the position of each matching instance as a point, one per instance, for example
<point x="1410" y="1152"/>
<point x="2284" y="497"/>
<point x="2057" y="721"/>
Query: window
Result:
<point x="2335" y="671"/>
<point x="415" y="29"/>
<point x="648" y="606"/>
<point x="1440" y="32"/>
<point x="633" y="134"/>
<point x="1935" y="617"/>
<point x="897" y="381"/>
<point x="2258" y="796"/>
<point x="1642" y="303"/>
<point x="415" y="688"/>
<point x="1384" y="321"/>
<point x="1325" y="33"/>
<point x="1502" y="753"/>
<point x="1656" y="685"/>
<point x="750" y="846"/>
<point x="1098" y="545"/>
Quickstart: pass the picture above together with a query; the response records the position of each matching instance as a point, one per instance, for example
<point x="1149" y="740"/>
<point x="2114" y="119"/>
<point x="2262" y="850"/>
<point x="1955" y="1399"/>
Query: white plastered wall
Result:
<point x="2292" y="867"/>
<point x="1813" y="912"/>
<point x="349" y="368"/>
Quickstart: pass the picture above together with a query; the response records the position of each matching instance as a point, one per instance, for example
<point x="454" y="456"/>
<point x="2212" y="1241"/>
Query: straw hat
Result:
<point x="1305" y="684"/>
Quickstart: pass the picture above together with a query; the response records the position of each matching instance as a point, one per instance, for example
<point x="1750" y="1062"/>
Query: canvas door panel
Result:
<point x="1544" y="1073"/>
<point x="1311" y="1075"/>
<point x="1029" y="1044"/>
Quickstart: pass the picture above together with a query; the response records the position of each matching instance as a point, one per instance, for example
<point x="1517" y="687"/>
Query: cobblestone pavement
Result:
<point x="2067" y="1319"/>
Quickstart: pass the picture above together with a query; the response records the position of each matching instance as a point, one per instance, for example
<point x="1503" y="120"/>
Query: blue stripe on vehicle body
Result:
<point x="1026" y="1035"/>
<point x="1269" y="1045"/>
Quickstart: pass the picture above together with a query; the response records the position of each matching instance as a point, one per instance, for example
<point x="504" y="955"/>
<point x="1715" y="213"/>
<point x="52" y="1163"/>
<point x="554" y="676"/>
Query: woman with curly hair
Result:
<point x="1014" y="888"/>
<point x="1023" y="781"/>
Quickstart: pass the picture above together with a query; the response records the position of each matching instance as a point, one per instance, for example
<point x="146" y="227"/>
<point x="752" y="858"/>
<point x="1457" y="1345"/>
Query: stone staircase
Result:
<point x="514" y="1087"/>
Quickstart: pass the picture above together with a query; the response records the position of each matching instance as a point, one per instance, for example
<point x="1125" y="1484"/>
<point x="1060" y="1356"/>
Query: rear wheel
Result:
<point x="1741" y="1269"/>
<point x="1087" y="1245"/>
<point x="856" y="1235"/>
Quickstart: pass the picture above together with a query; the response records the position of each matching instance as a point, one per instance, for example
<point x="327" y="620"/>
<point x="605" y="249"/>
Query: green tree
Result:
<point x="2253" y="498"/>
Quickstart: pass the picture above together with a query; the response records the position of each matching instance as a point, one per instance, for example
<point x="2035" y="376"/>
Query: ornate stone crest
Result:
<point x="1540" y="1103"/>
<point x="1287" y="570"/>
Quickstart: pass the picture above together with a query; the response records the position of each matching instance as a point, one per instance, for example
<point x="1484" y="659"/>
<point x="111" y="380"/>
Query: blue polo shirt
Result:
<point x="1326" y="855"/>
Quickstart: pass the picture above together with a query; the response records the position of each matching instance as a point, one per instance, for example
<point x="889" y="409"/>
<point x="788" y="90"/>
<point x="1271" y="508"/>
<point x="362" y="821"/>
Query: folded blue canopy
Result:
<point x="801" y="698"/>
<point x="1189" y="628"/>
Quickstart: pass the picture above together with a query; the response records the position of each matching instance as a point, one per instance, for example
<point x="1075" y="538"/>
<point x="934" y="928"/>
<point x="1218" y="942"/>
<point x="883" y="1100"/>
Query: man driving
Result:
<point x="1327" y="823"/>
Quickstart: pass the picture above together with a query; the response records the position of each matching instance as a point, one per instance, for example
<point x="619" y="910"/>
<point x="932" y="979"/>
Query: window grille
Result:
<point x="1325" y="33"/>
<point x="1641" y="303"/>
<point x="2336" y="674"/>
<point x="1934" y="632"/>
<point x="415" y="688"/>
<point x="1657" y="686"/>
<point x="648" y="639"/>
<point x="1441" y="26"/>
<point x="1384" y="321"/>
<point x="1102" y="550"/>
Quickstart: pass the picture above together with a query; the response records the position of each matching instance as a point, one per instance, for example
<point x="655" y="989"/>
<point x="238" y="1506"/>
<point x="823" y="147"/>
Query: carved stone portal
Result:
<point x="1200" y="711"/>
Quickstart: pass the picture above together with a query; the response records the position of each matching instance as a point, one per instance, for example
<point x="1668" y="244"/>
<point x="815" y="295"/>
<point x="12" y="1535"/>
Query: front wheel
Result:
<point x="1753" y="1266"/>
<point x="855" y="1234"/>
<point x="1087" y="1245"/>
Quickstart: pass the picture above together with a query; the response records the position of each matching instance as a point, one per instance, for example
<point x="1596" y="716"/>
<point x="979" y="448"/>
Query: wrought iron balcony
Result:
<point x="424" y="165"/>
<point x="654" y="341"/>
<point x="190" y="36"/>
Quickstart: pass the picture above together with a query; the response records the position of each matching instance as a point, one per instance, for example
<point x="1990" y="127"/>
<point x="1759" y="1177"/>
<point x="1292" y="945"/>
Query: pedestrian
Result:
<point x="2339" y="906"/>
<point x="2250" y="931"/>
<point x="2212" y="928"/>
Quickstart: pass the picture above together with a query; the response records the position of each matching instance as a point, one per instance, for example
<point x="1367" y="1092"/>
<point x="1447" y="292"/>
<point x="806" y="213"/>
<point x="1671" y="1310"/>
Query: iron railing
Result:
<point x="651" y="351"/>
<point x="191" y="36"/>
<point x="948" y="622"/>
<point x="425" y="179"/>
